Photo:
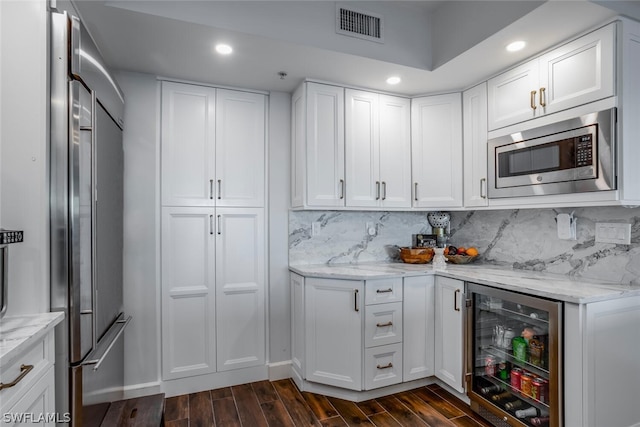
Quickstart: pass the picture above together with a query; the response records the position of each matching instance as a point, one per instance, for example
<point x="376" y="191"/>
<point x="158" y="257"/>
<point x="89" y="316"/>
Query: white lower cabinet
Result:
<point x="419" y="294"/>
<point x="449" y="332"/>
<point x="382" y="366"/>
<point x="333" y="332"/>
<point x="213" y="280"/>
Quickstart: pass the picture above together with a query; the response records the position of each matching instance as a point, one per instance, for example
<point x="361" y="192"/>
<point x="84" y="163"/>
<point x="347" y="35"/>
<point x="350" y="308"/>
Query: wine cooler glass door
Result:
<point x="514" y="360"/>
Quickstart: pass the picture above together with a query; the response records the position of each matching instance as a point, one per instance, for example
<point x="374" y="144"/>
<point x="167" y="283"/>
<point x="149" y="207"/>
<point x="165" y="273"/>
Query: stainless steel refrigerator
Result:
<point x="86" y="170"/>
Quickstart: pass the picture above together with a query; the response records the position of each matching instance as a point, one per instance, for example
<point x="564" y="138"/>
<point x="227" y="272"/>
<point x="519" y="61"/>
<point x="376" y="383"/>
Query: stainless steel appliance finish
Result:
<point x="495" y="318"/>
<point x="87" y="165"/>
<point x="572" y="156"/>
<point x="6" y="237"/>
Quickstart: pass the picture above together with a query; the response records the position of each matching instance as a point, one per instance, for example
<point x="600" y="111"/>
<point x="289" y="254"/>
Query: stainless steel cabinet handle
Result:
<point x="533" y="100"/>
<point x="219" y="225"/>
<point x="382" y="325"/>
<point x="24" y="370"/>
<point x="387" y="366"/>
<point x="210" y="224"/>
<point x="415" y="191"/>
<point x="355" y="300"/>
<point x="377" y="190"/>
<point x="384" y="190"/>
<point x="384" y="291"/>
<point x="541" y="98"/>
<point x="483" y="186"/>
<point x="210" y="189"/>
<point x="342" y="189"/>
<point x="219" y="189"/>
<point x="455" y="300"/>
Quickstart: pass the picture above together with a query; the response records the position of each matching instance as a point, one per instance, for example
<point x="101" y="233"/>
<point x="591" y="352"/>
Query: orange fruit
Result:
<point x="446" y="250"/>
<point x="472" y="251"/>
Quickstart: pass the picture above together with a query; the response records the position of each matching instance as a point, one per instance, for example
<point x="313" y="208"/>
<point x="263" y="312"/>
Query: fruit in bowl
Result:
<point x="416" y="255"/>
<point x="460" y="254"/>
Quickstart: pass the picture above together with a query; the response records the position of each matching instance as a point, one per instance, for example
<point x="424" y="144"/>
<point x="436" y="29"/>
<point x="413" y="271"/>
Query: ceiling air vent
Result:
<point x="359" y="24"/>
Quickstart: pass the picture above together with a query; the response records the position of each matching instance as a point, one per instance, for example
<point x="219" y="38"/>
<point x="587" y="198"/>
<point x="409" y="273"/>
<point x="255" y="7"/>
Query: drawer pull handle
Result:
<point x="382" y="325"/>
<point x="387" y="366"/>
<point x="24" y="370"/>
<point x="384" y="291"/>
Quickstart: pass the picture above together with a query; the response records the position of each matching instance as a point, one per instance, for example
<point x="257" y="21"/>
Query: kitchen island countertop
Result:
<point x="547" y="285"/>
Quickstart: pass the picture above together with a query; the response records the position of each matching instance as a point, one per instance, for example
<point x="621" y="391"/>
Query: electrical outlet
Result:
<point x="315" y="228"/>
<point x="613" y="232"/>
<point x="371" y="229"/>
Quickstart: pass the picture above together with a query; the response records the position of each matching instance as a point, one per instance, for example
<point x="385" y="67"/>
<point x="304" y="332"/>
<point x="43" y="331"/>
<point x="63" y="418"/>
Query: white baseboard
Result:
<point x="280" y="370"/>
<point x="144" y="389"/>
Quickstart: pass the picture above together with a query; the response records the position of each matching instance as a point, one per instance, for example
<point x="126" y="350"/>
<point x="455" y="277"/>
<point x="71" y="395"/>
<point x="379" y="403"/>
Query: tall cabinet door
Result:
<point x="419" y="317"/>
<point x="188" y="292"/>
<point x="436" y="138"/>
<point x="240" y="148"/>
<point x="333" y="332"/>
<point x="362" y="142"/>
<point x="474" y="104"/>
<point x="188" y="145"/>
<point x="325" y="145"/>
<point x="449" y="332"/>
<point x="395" y="151"/>
<point x="240" y="287"/>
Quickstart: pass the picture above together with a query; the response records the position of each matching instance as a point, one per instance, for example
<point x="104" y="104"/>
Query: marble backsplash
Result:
<point x="522" y="238"/>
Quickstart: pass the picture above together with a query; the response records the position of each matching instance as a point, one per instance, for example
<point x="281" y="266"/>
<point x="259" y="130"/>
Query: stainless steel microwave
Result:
<point x="572" y="156"/>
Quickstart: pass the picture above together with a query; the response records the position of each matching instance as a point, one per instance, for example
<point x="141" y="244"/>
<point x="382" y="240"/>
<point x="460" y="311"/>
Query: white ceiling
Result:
<point x="174" y="38"/>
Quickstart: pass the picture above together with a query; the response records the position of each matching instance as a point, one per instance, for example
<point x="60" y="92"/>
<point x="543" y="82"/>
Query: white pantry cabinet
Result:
<point x="436" y="151"/>
<point x="449" y="331"/>
<point x="474" y="105"/>
<point x="419" y="317"/>
<point x="213" y="290"/>
<point x="377" y="150"/>
<point x="213" y="146"/>
<point x="317" y="146"/>
<point x="576" y="73"/>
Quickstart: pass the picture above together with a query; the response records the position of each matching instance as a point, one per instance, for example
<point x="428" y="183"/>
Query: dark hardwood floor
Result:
<point x="281" y="404"/>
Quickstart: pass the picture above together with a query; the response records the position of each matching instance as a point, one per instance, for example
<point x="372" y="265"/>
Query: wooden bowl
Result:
<point x="416" y="255"/>
<point x="460" y="259"/>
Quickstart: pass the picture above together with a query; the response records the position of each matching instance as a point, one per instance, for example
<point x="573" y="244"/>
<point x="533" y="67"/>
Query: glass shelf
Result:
<point x="503" y="354"/>
<point x="507" y="387"/>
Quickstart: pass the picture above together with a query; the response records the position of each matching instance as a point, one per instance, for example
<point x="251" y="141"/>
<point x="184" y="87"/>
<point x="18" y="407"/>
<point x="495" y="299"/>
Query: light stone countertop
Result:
<point x="19" y="332"/>
<point x="546" y="285"/>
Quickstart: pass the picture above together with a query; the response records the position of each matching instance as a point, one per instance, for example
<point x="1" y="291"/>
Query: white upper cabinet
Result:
<point x="573" y="74"/>
<point x="317" y="151"/>
<point x="188" y="144"/>
<point x="378" y="150"/>
<point x="213" y="146"/>
<point x="474" y="113"/>
<point x="436" y="147"/>
<point x="240" y="148"/>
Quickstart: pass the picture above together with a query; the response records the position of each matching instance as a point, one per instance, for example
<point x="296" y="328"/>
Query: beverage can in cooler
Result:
<point x="539" y="389"/>
<point x="519" y="346"/>
<point x="525" y="384"/>
<point x="516" y="374"/>
<point x="490" y="366"/>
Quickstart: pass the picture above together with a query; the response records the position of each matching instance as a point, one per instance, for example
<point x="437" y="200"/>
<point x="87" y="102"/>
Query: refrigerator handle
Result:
<point x="97" y="357"/>
<point x="468" y="343"/>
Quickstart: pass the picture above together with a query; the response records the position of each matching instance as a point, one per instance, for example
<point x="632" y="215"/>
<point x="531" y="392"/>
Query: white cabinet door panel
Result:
<point x="395" y="151"/>
<point x="419" y="329"/>
<point x="297" y="325"/>
<point x="325" y="145"/>
<point x="474" y="103"/>
<point x="240" y="288"/>
<point x="188" y="292"/>
<point x="298" y="147"/>
<point x="510" y="95"/>
<point x="188" y="144"/>
<point x="362" y="148"/>
<point x="449" y="332"/>
<point x="333" y="326"/>
<point x="240" y="148"/>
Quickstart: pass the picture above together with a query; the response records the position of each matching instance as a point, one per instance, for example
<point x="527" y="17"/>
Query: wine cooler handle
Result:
<point x="355" y="300"/>
<point x="456" y="307"/>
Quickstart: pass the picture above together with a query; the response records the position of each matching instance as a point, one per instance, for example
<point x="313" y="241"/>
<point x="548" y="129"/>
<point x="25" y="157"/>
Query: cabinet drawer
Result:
<point x="39" y="357"/>
<point x="382" y="366"/>
<point x="382" y="291"/>
<point x="383" y="324"/>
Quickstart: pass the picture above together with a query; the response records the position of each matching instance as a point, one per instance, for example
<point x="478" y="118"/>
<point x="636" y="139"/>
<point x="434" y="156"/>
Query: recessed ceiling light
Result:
<point x="394" y="80"/>
<point x="224" y="49"/>
<point x="516" y="46"/>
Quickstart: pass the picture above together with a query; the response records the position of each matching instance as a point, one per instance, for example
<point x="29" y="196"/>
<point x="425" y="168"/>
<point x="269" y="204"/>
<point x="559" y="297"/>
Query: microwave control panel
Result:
<point x="584" y="150"/>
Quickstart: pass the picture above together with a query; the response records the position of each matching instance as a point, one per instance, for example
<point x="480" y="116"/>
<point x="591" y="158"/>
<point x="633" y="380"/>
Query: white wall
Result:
<point x="24" y="168"/>
<point x="141" y="223"/>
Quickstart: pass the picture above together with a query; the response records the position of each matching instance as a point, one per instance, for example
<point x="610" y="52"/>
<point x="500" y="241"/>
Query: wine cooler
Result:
<point x="514" y="360"/>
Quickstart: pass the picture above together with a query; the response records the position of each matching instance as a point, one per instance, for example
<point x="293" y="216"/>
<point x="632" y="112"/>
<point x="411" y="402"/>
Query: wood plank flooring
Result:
<point x="281" y="404"/>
